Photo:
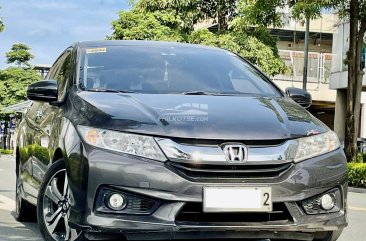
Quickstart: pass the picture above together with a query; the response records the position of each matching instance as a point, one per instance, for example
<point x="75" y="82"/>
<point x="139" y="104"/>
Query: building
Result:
<point x="42" y="69"/>
<point x="291" y="38"/>
<point x="339" y="82"/>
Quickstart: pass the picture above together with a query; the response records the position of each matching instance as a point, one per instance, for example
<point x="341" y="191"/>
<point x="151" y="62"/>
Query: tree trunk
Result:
<point x="222" y="11"/>
<point x="219" y="16"/>
<point x="355" y="75"/>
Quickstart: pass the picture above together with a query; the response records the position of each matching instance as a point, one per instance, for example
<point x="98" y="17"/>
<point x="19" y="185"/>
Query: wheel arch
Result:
<point x="57" y="155"/>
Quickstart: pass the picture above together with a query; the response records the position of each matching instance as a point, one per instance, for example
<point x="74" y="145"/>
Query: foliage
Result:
<point x="223" y="11"/>
<point x="186" y="12"/>
<point x="13" y="83"/>
<point x="42" y="153"/>
<point x="260" y="13"/>
<point x="6" y="151"/>
<point x="311" y="9"/>
<point x="19" y="54"/>
<point x="6" y="115"/>
<point x="190" y="12"/>
<point x="145" y="25"/>
<point x="357" y="174"/>
<point x="361" y="157"/>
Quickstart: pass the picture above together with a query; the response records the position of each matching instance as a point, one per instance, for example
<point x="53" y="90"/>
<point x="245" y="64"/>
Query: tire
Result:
<point x="24" y="211"/>
<point x="329" y="236"/>
<point x="53" y="206"/>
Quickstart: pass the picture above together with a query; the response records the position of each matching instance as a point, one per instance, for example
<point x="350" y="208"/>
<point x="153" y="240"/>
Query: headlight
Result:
<point x="316" y="145"/>
<point x="138" y="145"/>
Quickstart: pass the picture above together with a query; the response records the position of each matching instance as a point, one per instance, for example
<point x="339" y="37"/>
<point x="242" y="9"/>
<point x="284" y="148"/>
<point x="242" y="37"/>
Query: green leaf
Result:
<point x="13" y="84"/>
<point x="19" y="54"/>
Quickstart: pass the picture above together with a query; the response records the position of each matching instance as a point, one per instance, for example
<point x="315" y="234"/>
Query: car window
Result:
<point x="60" y="72"/>
<point x="171" y="70"/>
<point x="63" y="74"/>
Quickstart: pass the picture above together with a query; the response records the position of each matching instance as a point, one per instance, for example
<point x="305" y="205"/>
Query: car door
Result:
<point x="26" y="146"/>
<point x="46" y="121"/>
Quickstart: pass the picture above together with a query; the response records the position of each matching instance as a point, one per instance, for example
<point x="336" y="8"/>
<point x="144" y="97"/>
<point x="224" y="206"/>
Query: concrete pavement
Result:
<point x="356" y="230"/>
<point x="12" y="230"/>
<point x="9" y="228"/>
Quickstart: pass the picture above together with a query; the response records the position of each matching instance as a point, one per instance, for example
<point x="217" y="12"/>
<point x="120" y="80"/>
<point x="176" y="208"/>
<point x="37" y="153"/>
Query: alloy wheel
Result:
<point x="56" y="208"/>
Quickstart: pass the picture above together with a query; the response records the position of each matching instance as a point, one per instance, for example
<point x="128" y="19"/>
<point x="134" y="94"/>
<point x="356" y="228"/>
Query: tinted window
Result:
<point x="60" y="72"/>
<point x="171" y="70"/>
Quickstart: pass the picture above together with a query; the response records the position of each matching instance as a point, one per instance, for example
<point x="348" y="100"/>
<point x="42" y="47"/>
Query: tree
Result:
<point x="146" y="26"/>
<point x="355" y="11"/>
<point x="13" y="83"/>
<point x="19" y="54"/>
<point x="222" y="11"/>
<point x="190" y="12"/>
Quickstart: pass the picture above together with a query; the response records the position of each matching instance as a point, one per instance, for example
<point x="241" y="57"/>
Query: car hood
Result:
<point x="200" y="117"/>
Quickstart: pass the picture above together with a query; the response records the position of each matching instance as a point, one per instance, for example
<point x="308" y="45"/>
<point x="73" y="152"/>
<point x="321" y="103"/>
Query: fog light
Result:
<point x="116" y="201"/>
<point x="327" y="202"/>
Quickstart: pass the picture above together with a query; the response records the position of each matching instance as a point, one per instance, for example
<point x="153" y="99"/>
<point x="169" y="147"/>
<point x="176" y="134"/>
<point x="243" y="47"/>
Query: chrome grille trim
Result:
<point x="213" y="154"/>
<point x="214" y="173"/>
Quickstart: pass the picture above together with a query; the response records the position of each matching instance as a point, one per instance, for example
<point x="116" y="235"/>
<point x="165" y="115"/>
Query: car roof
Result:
<point x="106" y="43"/>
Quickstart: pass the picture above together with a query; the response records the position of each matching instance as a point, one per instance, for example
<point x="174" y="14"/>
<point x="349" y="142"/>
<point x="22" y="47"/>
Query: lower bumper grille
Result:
<point x="192" y="214"/>
<point x="135" y="204"/>
<point x="200" y="172"/>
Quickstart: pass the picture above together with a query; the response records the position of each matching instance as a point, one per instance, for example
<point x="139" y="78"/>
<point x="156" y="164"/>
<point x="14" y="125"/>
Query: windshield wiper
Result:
<point x="111" y="90"/>
<point x="201" y="92"/>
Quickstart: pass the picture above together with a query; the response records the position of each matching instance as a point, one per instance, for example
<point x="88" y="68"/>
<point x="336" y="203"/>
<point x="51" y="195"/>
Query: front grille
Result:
<point x="192" y="214"/>
<point x="218" y="142"/>
<point x="139" y="205"/>
<point x="210" y="172"/>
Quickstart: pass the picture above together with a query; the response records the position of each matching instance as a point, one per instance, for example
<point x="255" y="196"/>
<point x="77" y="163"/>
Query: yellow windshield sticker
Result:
<point x="96" y="50"/>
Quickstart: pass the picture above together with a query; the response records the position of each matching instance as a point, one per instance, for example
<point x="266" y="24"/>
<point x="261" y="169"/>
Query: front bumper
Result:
<point x="154" y="180"/>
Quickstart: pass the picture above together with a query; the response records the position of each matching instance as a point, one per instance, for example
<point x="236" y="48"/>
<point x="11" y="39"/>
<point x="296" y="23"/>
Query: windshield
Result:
<point x="170" y="70"/>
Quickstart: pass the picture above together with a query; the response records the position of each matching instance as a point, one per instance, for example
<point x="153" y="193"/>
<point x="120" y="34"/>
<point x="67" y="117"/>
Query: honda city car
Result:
<point x="144" y="140"/>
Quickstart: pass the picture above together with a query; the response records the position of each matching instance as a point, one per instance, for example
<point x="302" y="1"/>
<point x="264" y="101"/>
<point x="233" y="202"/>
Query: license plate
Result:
<point x="237" y="199"/>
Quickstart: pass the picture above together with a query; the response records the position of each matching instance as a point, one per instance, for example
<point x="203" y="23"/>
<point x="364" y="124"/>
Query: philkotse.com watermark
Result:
<point x="187" y="112"/>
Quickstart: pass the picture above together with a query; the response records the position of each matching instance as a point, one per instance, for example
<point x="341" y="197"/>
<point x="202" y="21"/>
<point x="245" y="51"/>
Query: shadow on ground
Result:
<point x="13" y="230"/>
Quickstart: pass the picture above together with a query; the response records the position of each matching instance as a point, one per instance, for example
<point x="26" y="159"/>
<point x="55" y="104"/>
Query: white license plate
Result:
<point x="237" y="199"/>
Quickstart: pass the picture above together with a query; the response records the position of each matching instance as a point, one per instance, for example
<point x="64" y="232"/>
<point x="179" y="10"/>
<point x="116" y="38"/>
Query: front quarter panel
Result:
<point x="24" y="160"/>
<point x="77" y="167"/>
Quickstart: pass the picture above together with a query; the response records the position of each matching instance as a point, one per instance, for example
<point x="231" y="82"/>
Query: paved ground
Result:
<point x="9" y="228"/>
<point x="12" y="230"/>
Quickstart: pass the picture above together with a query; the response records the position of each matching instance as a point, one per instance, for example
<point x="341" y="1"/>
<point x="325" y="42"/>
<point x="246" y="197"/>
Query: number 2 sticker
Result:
<point x="266" y="199"/>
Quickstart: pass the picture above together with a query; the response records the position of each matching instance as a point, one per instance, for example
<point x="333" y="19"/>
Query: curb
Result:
<point x="356" y="190"/>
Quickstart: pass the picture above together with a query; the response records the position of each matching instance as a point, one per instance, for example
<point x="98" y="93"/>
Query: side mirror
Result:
<point x="45" y="90"/>
<point x="300" y="96"/>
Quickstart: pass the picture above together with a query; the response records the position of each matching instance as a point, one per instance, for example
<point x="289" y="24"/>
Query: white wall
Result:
<point x="363" y="116"/>
<point x="319" y="92"/>
<point x="338" y="78"/>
